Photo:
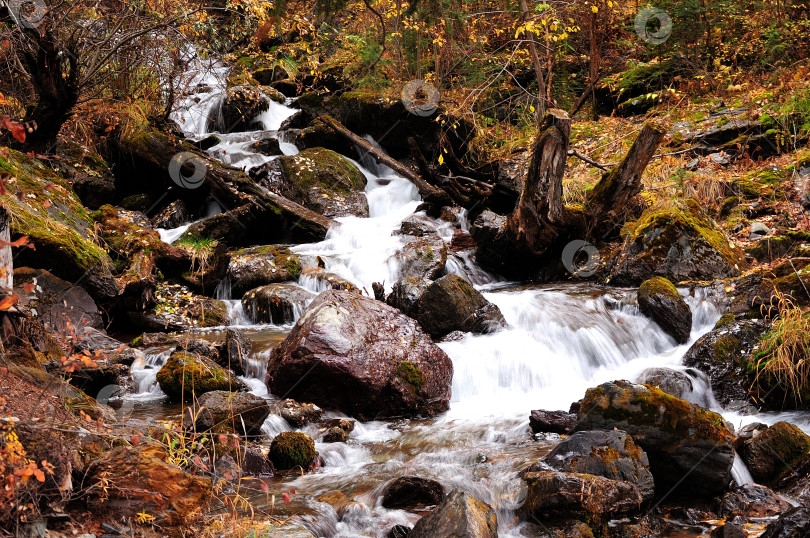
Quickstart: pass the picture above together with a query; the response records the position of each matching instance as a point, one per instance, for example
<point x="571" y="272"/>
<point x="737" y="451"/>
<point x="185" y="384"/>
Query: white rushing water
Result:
<point x="561" y="340"/>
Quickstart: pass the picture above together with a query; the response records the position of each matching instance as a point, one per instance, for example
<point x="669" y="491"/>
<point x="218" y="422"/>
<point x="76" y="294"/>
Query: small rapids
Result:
<point x="561" y="340"/>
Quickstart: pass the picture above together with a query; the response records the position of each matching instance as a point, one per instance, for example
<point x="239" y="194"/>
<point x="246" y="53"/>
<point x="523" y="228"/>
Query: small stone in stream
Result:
<point x="226" y="412"/>
<point x="412" y="493"/>
<point x="337" y="430"/>
<point x="405" y="294"/>
<point x="172" y="216"/>
<point x="227" y="469"/>
<point x="267" y="146"/>
<point x="729" y="530"/>
<point x="671" y="381"/>
<point x="748" y="432"/>
<point x="752" y="501"/>
<point x="290" y="450"/>
<point x="398" y="531"/>
<point x="235" y="352"/>
<point x="460" y="514"/>
<point x="451" y="303"/>
<point x="659" y="300"/>
<point x="254" y="463"/>
<point x="775" y="451"/>
<point x="559" y="422"/>
<point x="794" y="523"/>
<point x="298" y="414"/>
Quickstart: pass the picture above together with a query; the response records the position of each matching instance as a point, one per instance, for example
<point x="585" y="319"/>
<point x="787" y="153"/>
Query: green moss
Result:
<point x="725" y="347"/>
<point x="658" y="286"/>
<point x="136" y="202"/>
<point x="320" y="167"/>
<point x="725" y="320"/>
<point x="292" y="449"/>
<point x="689" y="218"/>
<point x="137" y="341"/>
<point x="187" y="375"/>
<point x="43" y="206"/>
<point x="728" y="205"/>
<point x="411" y="374"/>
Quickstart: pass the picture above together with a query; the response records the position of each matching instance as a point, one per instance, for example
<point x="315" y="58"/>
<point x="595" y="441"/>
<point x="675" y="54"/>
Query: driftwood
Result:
<point x="429" y="193"/>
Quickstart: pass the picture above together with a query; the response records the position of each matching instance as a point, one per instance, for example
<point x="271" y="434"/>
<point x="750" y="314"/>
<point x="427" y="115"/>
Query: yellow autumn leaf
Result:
<point x="531" y="107"/>
<point x="595" y="9"/>
<point x="441" y="159"/>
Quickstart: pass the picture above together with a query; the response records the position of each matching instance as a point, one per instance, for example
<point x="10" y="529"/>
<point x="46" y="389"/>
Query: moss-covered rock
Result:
<point x="775" y="451"/>
<point x="680" y="243"/>
<point x="641" y="83"/>
<point x="318" y="179"/>
<point x="186" y="375"/>
<point x="239" y="109"/>
<point x="659" y="300"/>
<point x="43" y="207"/>
<point x="290" y="450"/>
<point x="320" y="135"/>
<point x="258" y="266"/>
<point x="679" y="437"/>
<point x="453" y="304"/>
<point x="459" y="514"/>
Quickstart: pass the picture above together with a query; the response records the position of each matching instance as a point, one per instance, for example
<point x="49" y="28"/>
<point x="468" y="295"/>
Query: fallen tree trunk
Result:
<point x="143" y="160"/>
<point x="428" y="192"/>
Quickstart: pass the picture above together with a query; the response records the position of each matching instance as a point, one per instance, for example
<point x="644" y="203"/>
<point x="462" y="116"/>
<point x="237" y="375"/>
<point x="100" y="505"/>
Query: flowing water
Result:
<point x="561" y="340"/>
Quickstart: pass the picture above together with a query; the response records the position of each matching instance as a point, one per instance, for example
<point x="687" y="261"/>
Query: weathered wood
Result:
<point x="143" y="158"/>
<point x="426" y="190"/>
<point x="616" y="187"/>
<point x="540" y="209"/>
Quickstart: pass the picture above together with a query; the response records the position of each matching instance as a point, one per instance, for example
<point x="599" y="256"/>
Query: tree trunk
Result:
<point x="616" y="187"/>
<point x="540" y="210"/>
<point x="538" y="69"/>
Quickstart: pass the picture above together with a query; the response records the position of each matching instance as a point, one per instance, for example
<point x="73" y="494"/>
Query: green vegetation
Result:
<point x="290" y="450"/>
<point x="411" y="374"/>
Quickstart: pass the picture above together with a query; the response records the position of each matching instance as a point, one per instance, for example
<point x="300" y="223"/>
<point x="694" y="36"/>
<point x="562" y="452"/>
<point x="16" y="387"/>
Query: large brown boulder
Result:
<point x="460" y="514"/>
<point x="775" y="451"/>
<point x="363" y="357"/>
<point x="659" y="300"/>
<point x="227" y="412"/>
<point x="680" y="438"/>
<point x="129" y="480"/>
<point x="452" y="304"/>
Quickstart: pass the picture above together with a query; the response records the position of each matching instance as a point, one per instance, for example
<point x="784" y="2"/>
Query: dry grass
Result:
<point x="784" y="349"/>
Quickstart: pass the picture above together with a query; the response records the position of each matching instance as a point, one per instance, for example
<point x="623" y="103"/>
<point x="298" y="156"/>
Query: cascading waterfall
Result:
<point x="561" y="340"/>
<point x="144" y="372"/>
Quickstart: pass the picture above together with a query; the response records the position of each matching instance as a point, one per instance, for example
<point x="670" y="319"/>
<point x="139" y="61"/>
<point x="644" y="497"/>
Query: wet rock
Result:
<point x="144" y="481"/>
<point x="337" y="430"/>
<point x="252" y="267"/>
<point x="422" y="257"/>
<point x="235" y="351"/>
<point x="319" y="135"/>
<point x="94" y="375"/>
<point x="61" y="306"/>
<point x="679" y="438"/>
<point x="267" y="146"/>
<point x="659" y="300"/>
<point x="325" y="280"/>
<point x="775" y="451"/>
<point x="177" y="308"/>
<point x="461" y="241"/>
<point x="752" y="501"/>
<point x="673" y="382"/>
<point x="101" y="345"/>
<point x="172" y="216"/>
<point x="290" y="450"/>
<point x="551" y="493"/>
<point x="363" y="357"/>
<point x="185" y="375"/>
<point x="298" y="414"/>
<point x="227" y="469"/>
<point x="398" y="531"/>
<point x="319" y="179"/>
<point x="451" y="304"/>
<point x="610" y="454"/>
<point x="276" y="303"/>
<point x="728" y="530"/>
<point x="418" y="225"/>
<point x="792" y="524"/>
<point x="747" y="432"/>
<point x="405" y="294"/>
<point x="254" y="463"/>
<point x="239" y="109"/>
<point x="460" y="514"/>
<point x="724" y="355"/>
<point x="412" y="493"/>
<point x="679" y="244"/>
<point x="559" y="422"/>
<point x="227" y="412"/>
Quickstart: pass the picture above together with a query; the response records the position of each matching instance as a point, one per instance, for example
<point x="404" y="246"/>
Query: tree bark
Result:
<point x="538" y="69"/>
<point x="540" y="209"/>
<point x="616" y="187"/>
